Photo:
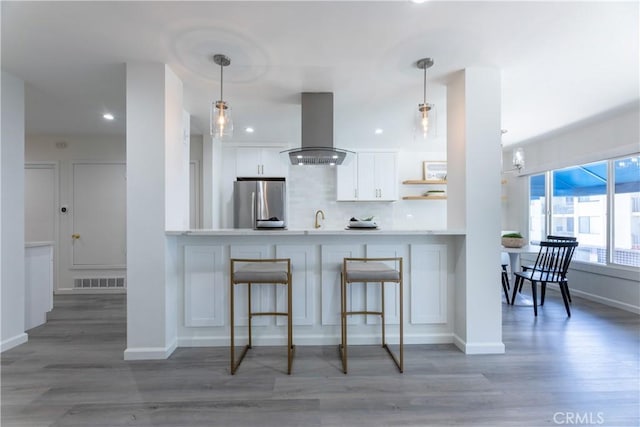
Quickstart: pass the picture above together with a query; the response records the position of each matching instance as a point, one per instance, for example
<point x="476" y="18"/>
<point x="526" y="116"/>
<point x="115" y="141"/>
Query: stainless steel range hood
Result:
<point x="317" y="133"/>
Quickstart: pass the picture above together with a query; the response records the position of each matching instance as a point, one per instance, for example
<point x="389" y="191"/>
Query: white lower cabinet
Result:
<point x="316" y="269"/>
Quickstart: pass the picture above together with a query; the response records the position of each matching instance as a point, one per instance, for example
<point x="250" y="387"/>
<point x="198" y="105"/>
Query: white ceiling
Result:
<point x="561" y="62"/>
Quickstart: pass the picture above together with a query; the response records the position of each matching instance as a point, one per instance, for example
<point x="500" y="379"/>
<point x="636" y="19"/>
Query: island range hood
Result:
<point x="317" y="133"/>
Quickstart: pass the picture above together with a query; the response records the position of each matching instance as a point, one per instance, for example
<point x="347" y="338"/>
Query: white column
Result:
<point x="473" y="153"/>
<point x="208" y="188"/>
<point x="157" y="199"/>
<point x="12" y="212"/>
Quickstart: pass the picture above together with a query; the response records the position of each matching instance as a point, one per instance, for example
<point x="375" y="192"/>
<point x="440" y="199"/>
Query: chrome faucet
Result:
<point x="322" y="214"/>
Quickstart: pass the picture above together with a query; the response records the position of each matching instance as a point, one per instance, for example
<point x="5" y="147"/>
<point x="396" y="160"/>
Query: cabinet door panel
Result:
<point x="303" y="260"/>
<point x="428" y="284"/>
<point x="347" y="178"/>
<point x="263" y="297"/>
<point x="366" y="176"/>
<point x="385" y="171"/>
<point x="205" y="288"/>
<point x="272" y="164"/>
<point x="248" y="161"/>
<point x="332" y="256"/>
<point x="392" y="290"/>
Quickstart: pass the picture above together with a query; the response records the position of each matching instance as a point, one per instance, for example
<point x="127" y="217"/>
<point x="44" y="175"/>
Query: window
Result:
<point x="537" y="208"/>
<point x="626" y="224"/>
<point x="585" y="202"/>
<point x="580" y="196"/>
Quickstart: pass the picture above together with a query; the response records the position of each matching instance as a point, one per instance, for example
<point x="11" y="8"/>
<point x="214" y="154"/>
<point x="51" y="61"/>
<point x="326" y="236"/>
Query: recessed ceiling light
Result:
<point x="418" y="1"/>
<point x="378" y="131"/>
<point x="248" y="129"/>
<point x="108" y="116"/>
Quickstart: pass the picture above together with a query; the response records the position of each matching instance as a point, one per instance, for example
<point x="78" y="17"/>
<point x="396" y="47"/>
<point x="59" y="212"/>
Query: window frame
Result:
<point x="609" y="226"/>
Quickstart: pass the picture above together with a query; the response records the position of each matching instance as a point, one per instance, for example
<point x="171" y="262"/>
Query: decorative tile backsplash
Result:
<point x="311" y="188"/>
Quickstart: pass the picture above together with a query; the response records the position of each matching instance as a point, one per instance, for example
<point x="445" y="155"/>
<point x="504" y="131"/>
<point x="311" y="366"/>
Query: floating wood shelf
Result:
<point x="424" y="198"/>
<point x="424" y="181"/>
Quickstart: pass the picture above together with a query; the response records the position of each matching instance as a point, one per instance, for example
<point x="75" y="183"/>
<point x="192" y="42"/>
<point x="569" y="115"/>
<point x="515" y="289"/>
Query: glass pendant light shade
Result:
<point x="424" y="118"/>
<point x="220" y="121"/>
<point x="518" y="158"/>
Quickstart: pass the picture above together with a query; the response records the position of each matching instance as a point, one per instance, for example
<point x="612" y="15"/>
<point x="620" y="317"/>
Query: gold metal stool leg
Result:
<point x="342" y="348"/>
<point x="255" y="274"/>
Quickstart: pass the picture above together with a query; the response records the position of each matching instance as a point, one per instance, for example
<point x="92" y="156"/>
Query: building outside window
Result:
<point x="586" y="201"/>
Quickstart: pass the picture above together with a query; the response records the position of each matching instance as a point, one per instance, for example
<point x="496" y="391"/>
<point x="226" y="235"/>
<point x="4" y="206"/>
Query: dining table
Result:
<point x="514" y="259"/>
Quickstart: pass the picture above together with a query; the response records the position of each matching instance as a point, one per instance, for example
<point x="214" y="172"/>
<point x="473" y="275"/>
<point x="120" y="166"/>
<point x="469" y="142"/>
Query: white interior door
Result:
<point x="40" y="202"/>
<point x="99" y="215"/>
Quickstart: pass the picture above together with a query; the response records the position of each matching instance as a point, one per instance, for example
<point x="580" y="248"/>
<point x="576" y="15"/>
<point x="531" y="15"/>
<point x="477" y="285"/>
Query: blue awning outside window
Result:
<point x="588" y="180"/>
<point x="537" y="187"/>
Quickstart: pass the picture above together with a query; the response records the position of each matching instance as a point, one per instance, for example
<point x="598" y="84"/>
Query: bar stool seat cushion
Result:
<point x="370" y="272"/>
<point x="261" y="272"/>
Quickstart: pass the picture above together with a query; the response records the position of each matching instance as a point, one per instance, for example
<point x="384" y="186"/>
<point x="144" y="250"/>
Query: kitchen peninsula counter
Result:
<point x="311" y="231"/>
<point x="202" y="270"/>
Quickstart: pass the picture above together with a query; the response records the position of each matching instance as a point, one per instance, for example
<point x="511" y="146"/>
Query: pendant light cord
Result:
<point x="425" y="86"/>
<point x="221" y="71"/>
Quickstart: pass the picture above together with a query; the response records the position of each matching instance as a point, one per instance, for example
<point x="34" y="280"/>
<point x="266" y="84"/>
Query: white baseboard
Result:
<point x="150" y="353"/>
<point x="478" y="348"/>
<point x="600" y="299"/>
<point x="13" y="342"/>
<point x="311" y="340"/>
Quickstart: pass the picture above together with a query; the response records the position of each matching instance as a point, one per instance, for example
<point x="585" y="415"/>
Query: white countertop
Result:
<point x="310" y="232"/>
<point x="36" y="244"/>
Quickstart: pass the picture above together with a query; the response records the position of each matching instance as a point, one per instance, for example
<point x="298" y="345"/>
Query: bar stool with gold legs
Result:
<point x="260" y="271"/>
<point x="370" y="270"/>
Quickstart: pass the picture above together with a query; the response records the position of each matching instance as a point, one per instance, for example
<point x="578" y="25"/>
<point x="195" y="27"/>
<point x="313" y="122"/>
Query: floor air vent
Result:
<point x="99" y="282"/>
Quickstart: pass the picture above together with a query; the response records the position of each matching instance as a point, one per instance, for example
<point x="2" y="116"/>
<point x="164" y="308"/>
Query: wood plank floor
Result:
<point x="557" y="371"/>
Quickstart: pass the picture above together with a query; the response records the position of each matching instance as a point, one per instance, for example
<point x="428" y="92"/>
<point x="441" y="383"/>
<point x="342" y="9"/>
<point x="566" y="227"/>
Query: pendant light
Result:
<point x="422" y="120"/>
<point x="518" y="158"/>
<point x="221" y="122"/>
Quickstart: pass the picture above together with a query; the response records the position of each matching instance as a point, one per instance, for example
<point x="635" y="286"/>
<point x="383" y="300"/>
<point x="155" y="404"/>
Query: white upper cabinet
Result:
<point x="371" y="176"/>
<point x="260" y="162"/>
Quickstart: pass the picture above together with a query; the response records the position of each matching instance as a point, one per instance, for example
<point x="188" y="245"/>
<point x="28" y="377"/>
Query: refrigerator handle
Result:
<point x="253" y="208"/>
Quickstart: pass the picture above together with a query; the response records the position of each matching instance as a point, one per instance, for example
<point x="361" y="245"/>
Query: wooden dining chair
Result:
<point x="551" y="266"/>
<point x="551" y="238"/>
<point x="505" y="282"/>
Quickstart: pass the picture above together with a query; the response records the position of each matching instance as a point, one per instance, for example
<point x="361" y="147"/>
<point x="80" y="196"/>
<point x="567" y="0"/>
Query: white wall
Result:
<point x="474" y="170"/>
<point x="12" y="273"/>
<point x="154" y="112"/>
<point x="617" y="134"/>
<point x="176" y="157"/>
<point x="64" y="151"/>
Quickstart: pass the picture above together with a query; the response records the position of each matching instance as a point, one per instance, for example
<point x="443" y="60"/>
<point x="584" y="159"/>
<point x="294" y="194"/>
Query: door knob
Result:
<point x="75" y="236"/>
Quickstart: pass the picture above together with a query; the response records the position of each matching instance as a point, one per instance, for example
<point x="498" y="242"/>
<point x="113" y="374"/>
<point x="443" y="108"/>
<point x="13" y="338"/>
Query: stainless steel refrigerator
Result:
<point x="259" y="203"/>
